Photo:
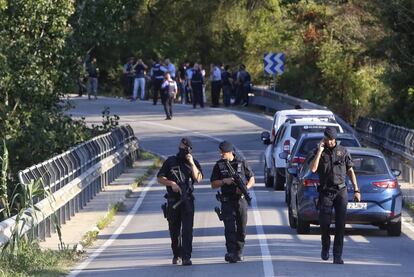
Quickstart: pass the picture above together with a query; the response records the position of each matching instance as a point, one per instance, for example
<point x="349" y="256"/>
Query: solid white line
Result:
<point x="264" y="248"/>
<point x="115" y="235"/>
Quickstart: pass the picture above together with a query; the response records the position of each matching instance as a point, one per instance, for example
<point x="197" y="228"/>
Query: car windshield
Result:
<point x="311" y="143"/>
<point x="298" y="130"/>
<point x="369" y="165"/>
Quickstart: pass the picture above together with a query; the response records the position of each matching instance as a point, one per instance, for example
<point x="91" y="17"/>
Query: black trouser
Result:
<point x="156" y="89"/>
<point x="329" y="199"/>
<point x="197" y="94"/>
<point x="235" y="221"/>
<point x="180" y="224"/>
<point x="215" y="92"/>
<point x="238" y="91"/>
<point x="245" y="93"/>
<point x="128" y="85"/>
<point x="167" y="101"/>
<point x="226" y="95"/>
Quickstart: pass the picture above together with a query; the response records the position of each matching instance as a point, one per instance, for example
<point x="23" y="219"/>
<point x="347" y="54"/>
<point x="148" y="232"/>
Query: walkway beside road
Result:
<point x="97" y="208"/>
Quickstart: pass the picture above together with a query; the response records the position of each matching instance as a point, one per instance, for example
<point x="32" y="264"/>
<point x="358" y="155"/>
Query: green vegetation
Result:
<point x="90" y="236"/>
<point x="352" y="56"/>
<point x="145" y="155"/>
<point x="151" y="170"/>
<point x="32" y="261"/>
<point x="409" y="206"/>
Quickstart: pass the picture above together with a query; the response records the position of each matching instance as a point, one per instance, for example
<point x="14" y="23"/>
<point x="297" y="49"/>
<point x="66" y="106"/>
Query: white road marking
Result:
<point x="117" y="232"/>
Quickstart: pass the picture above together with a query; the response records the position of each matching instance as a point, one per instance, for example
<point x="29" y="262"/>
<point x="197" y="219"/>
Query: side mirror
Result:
<point x="265" y="137"/>
<point x="283" y="155"/>
<point x="396" y="172"/>
<point x="293" y="171"/>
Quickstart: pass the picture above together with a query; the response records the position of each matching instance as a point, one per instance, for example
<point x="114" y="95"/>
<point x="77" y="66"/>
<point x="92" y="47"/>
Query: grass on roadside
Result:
<point x="90" y="236"/>
<point x="145" y="155"/>
<point x="33" y="261"/>
<point x="151" y="170"/>
<point x="409" y="206"/>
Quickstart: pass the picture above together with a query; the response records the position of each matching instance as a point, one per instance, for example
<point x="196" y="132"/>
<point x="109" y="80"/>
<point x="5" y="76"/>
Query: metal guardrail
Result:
<point x="397" y="142"/>
<point x="74" y="178"/>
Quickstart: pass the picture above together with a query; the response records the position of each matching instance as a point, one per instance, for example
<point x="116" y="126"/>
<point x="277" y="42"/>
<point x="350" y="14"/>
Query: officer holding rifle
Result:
<point x="178" y="174"/>
<point x="234" y="177"/>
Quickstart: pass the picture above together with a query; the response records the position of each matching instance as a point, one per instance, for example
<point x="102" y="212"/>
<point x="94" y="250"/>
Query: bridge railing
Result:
<point x="73" y="178"/>
<point x="396" y="142"/>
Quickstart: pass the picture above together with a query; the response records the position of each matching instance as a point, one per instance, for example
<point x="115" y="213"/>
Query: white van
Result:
<point x="280" y="117"/>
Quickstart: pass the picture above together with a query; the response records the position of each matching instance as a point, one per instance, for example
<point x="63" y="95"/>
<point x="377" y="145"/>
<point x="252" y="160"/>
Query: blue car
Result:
<point x="381" y="196"/>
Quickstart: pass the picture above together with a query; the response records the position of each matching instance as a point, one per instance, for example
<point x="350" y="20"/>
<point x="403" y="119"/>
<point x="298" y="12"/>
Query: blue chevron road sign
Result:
<point x="274" y="63"/>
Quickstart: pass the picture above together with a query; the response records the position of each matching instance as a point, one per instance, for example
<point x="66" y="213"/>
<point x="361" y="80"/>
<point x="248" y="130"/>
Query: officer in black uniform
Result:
<point x="233" y="203"/>
<point x="332" y="162"/>
<point x="178" y="174"/>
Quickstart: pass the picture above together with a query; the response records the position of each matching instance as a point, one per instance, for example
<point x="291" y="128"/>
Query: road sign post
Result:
<point x="274" y="64"/>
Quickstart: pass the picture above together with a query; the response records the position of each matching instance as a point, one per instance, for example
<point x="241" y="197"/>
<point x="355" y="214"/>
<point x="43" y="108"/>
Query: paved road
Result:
<point x="140" y="245"/>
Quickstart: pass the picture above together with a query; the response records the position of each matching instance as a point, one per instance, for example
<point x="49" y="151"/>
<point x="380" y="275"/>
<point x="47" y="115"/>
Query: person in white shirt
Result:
<point x="168" y="93"/>
<point x="170" y="68"/>
<point x="215" y="77"/>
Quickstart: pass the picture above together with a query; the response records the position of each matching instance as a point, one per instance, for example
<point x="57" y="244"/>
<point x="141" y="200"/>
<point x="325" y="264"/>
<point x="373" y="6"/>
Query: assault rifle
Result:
<point x="181" y="184"/>
<point x="240" y="183"/>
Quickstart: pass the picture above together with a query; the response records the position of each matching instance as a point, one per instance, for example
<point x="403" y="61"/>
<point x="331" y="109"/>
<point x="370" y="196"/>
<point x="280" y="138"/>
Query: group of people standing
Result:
<point x="187" y="84"/>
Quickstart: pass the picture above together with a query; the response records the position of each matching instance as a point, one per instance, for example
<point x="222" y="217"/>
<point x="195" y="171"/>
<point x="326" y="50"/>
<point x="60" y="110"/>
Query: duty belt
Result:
<point x="227" y="198"/>
<point x="336" y="187"/>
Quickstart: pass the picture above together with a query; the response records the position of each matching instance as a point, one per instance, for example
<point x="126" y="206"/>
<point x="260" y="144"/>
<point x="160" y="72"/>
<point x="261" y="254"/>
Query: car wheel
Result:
<point x="279" y="181"/>
<point x="394" y="229"/>
<point x="302" y="227"/>
<point x="268" y="177"/>
<point x="292" y="219"/>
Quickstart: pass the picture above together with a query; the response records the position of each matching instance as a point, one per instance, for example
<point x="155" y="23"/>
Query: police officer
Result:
<point x="196" y="85"/>
<point x="233" y="203"/>
<point x="178" y="174"/>
<point x="157" y="77"/>
<point x="332" y="162"/>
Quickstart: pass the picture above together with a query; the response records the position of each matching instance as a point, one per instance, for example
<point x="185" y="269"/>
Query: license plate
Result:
<point x="357" y="206"/>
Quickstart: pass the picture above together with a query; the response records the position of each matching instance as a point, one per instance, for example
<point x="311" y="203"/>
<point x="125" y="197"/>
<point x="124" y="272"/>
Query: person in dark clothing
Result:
<point x="181" y="83"/>
<point x="235" y="87"/>
<point x="128" y="77"/>
<point x="93" y="73"/>
<point x="332" y="162"/>
<point x="196" y="85"/>
<point x="244" y="81"/>
<point x="139" y="81"/>
<point x="178" y="174"/>
<point x="233" y="203"/>
<point x="157" y="77"/>
<point x="226" y="83"/>
<point x="168" y="93"/>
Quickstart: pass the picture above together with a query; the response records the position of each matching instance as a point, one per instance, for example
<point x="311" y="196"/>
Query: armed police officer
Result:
<point x="178" y="174"/>
<point x="332" y="162"/>
<point x="233" y="201"/>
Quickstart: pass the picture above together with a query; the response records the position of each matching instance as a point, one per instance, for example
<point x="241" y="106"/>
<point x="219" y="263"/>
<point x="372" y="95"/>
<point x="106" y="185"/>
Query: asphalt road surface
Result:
<point x="139" y="244"/>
